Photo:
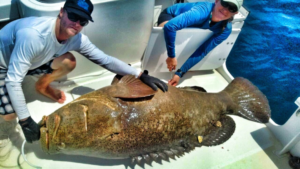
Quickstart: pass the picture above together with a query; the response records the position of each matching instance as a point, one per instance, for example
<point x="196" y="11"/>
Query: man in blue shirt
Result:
<point x="216" y="17"/>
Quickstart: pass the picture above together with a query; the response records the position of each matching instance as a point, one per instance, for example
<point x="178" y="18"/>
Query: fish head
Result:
<point x="93" y="125"/>
<point x="79" y="125"/>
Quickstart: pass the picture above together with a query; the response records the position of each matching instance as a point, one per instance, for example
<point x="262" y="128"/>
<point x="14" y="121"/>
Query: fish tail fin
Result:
<point x="250" y="102"/>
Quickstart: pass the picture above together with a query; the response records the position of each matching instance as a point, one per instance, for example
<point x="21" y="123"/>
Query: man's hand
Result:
<point x="153" y="82"/>
<point x="30" y="129"/>
<point x="174" y="81"/>
<point x="171" y="63"/>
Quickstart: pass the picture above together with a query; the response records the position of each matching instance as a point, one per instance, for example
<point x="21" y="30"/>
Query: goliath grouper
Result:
<point x="130" y="120"/>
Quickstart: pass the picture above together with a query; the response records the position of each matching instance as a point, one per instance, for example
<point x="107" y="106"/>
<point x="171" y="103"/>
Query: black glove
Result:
<point x="30" y="129"/>
<point x="153" y="82"/>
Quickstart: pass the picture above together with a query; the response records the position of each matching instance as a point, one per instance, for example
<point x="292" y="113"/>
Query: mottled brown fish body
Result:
<point x="127" y="119"/>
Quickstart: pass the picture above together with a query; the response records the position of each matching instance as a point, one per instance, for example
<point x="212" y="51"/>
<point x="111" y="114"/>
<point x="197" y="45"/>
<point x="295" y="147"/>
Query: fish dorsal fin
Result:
<point x="193" y="88"/>
<point x="116" y="79"/>
<point x="219" y="135"/>
<point x="131" y="87"/>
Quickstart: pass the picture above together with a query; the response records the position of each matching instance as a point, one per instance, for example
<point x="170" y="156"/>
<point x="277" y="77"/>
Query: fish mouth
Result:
<point x="44" y="139"/>
<point x="47" y="123"/>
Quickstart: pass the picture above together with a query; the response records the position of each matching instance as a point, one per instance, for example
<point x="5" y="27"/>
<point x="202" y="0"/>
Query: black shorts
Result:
<point x="5" y="104"/>
<point x="164" y="16"/>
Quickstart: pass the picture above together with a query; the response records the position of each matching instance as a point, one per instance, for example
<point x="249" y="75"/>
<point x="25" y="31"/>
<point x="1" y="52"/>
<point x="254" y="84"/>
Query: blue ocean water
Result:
<point x="267" y="52"/>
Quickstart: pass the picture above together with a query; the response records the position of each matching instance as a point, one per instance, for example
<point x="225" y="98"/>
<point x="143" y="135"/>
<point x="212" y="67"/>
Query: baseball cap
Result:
<point x="238" y="3"/>
<point x="83" y="8"/>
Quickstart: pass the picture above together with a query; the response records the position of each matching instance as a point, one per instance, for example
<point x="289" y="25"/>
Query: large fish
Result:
<point x="129" y="120"/>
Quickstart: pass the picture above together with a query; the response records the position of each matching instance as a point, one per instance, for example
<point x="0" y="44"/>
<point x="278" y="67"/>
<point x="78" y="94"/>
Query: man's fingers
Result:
<point x="172" y="82"/>
<point x="166" y="86"/>
<point x="153" y="86"/>
<point x="28" y="135"/>
<point x="162" y="86"/>
<point x="171" y="68"/>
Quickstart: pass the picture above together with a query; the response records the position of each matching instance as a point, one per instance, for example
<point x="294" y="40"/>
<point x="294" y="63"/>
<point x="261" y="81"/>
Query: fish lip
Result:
<point x="44" y="139"/>
<point x="47" y="134"/>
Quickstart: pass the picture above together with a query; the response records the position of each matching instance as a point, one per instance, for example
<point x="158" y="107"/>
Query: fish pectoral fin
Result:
<point x="219" y="134"/>
<point x="131" y="87"/>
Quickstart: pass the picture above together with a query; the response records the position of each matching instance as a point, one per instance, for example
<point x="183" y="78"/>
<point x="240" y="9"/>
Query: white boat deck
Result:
<point x="251" y="146"/>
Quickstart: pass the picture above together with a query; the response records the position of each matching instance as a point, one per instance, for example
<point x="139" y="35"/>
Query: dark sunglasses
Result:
<point x="74" y="18"/>
<point x="230" y="6"/>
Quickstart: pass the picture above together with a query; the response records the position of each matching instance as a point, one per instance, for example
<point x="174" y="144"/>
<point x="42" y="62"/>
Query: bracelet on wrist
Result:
<point x="179" y="73"/>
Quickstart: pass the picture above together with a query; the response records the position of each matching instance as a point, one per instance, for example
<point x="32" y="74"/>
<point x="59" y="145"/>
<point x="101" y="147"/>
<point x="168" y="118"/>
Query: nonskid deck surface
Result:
<point x="251" y="146"/>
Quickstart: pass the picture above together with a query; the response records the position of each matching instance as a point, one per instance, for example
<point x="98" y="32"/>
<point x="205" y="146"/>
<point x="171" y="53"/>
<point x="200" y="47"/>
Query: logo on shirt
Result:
<point x="83" y="5"/>
<point x="55" y="55"/>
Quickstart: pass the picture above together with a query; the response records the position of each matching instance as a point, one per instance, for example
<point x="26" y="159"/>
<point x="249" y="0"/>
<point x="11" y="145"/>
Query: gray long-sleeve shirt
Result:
<point x="28" y="43"/>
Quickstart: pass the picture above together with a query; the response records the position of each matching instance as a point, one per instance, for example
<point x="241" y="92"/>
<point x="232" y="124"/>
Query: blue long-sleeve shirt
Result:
<point x="194" y="15"/>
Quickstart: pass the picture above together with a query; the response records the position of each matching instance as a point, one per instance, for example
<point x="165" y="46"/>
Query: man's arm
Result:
<point x="28" y="44"/>
<point x="117" y="66"/>
<point x="196" y="15"/>
<point x="193" y="15"/>
<point x="90" y="51"/>
<point x="203" y="50"/>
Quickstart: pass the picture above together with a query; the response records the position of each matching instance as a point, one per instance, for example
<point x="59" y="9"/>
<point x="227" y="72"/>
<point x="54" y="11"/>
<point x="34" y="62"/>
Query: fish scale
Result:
<point x="130" y="120"/>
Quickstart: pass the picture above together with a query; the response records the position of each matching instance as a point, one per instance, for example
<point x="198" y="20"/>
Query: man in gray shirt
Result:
<point x="41" y="45"/>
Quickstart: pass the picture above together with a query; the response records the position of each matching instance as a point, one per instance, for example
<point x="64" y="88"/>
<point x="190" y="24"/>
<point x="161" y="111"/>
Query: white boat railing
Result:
<point x="288" y="134"/>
